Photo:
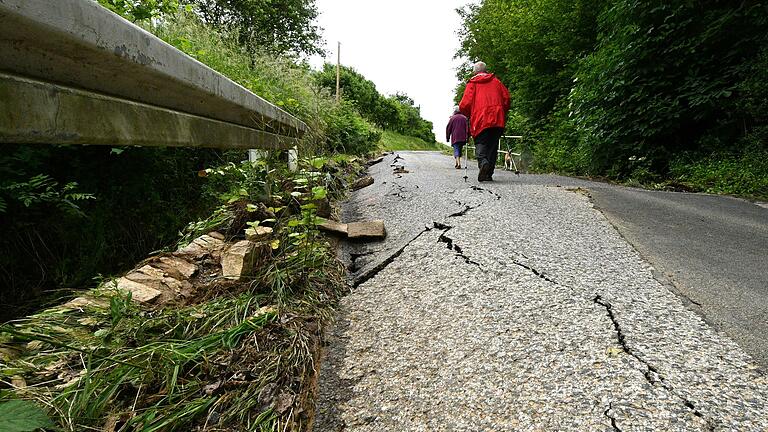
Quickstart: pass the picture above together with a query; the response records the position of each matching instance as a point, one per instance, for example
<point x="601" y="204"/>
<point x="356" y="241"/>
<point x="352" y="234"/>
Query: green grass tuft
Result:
<point x="393" y="141"/>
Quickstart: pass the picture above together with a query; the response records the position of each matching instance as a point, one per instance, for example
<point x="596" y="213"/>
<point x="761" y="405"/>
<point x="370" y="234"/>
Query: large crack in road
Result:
<point x="497" y="307"/>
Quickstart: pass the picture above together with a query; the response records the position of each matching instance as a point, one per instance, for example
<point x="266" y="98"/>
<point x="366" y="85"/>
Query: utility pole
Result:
<point x="338" y="71"/>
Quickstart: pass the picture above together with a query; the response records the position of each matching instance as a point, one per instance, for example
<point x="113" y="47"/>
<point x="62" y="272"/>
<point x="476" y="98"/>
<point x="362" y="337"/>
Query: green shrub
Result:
<point x="347" y="132"/>
<point x="396" y="113"/>
<point x="744" y="174"/>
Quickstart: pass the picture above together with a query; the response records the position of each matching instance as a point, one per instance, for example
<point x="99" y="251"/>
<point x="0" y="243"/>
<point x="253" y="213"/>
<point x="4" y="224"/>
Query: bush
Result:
<point x="347" y="132"/>
<point x="96" y="211"/>
<point x="395" y="113"/>
<point x="737" y="172"/>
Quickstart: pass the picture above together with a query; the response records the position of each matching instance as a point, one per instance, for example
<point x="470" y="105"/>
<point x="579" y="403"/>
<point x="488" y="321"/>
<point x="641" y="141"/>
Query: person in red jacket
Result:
<point x="485" y="102"/>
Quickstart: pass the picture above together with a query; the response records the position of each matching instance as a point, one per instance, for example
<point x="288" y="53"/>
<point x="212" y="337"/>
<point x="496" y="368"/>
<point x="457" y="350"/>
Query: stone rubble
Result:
<point x="239" y="260"/>
<point x="164" y="278"/>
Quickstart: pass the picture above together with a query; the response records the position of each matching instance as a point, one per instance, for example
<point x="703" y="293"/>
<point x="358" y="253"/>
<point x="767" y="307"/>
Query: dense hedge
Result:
<point x="397" y="113"/>
<point x="631" y="89"/>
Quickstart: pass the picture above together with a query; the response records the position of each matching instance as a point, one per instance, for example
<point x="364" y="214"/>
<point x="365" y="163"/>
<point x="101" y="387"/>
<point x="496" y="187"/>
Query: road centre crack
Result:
<point x="607" y="411"/>
<point x="651" y="374"/>
<point x="467" y="208"/>
<point x="455" y="248"/>
<point x="536" y="272"/>
<point x="479" y="189"/>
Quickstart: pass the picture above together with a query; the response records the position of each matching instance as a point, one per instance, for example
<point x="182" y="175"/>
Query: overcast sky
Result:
<point x="400" y="45"/>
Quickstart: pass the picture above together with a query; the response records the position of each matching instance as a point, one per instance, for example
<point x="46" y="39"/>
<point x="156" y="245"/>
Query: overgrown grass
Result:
<point x="743" y="175"/>
<point x="393" y="141"/>
<point x="239" y="356"/>
<point x="332" y="127"/>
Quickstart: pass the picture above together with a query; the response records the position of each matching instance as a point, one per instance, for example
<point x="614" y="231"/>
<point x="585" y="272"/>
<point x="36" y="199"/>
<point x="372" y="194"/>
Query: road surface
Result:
<point x="517" y="305"/>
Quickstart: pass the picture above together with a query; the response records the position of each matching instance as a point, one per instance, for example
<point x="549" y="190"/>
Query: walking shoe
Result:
<point x="485" y="173"/>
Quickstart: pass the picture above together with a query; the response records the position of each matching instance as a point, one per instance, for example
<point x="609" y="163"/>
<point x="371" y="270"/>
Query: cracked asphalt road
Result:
<point x="517" y="306"/>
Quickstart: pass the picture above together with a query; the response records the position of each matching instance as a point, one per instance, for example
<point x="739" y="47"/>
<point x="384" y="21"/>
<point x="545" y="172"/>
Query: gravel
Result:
<point x="525" y="312"/>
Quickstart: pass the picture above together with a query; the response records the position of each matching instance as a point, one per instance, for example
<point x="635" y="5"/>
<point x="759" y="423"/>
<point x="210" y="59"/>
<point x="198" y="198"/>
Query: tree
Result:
<point x="354" y="87"/>
<point x="140" y="10"/>
<point x="602" y="84"/>
<point x="397" y="113"/>
<point x="276" y="26"/>
<point x="665" y="79"/>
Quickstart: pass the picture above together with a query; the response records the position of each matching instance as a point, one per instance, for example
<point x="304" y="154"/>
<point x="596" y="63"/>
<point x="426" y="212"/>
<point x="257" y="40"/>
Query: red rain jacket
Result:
<point x="485" y="102"/>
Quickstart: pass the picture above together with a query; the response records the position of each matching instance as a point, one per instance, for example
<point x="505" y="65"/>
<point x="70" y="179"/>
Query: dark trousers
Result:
<point x="487" y="147"/>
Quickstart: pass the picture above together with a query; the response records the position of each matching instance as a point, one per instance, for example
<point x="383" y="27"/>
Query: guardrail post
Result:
<point x="255" y="155"/>
<point x="293" y="159"/>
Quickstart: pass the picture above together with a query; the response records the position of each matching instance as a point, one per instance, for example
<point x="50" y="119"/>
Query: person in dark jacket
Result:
<point x="457" y="133"/>
<point x="485" y="102"/>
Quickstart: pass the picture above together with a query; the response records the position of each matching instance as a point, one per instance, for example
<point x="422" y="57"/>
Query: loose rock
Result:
<point x="239" y="260"/>
<point x="258" y="233"/>
<point x="362" y="182"/>
<point x="201" y="246"/>
<point x="366" y="230"/>
<point x="139" y="292"/>
<point x="174" y="267"/>
<point x="333" y="227"/>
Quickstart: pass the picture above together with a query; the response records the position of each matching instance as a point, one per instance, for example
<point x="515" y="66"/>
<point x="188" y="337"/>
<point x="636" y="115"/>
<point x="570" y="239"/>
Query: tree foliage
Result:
<point x="141" y="10"/>
<point x="275" y="26"/>
<point x="531" y="45"/>
<point x="397" y="113"/>
<point x="664" y="79"/>
<point x="614" y="87"/>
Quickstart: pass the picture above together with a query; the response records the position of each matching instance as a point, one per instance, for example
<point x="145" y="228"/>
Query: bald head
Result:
<point x="479" y="67"/>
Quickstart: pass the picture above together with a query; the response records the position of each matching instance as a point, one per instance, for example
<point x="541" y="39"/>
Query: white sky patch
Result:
<point x="400" y="45"/>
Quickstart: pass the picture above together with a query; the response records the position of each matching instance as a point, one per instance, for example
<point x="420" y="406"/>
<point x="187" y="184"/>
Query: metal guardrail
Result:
<point x="72" y="72"/>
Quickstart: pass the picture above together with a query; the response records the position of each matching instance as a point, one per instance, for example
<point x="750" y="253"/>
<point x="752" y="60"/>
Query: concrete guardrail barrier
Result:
<point x="72" y="72"/>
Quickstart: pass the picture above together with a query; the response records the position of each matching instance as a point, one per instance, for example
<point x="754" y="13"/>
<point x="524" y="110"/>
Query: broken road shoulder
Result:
<point x="224" y="331"/>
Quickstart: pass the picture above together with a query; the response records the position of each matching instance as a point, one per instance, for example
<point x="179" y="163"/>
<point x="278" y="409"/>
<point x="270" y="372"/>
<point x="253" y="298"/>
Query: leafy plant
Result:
<point x="595" y="83"/>
<point x="141" y="10"/>
<point x="22" y="416"/>
<point x="42" y="189"/>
